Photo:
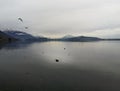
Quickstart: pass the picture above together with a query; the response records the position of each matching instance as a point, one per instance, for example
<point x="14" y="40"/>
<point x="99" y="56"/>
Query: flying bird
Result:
<point x="26" y="27"/>
<point x="20" y="19"/>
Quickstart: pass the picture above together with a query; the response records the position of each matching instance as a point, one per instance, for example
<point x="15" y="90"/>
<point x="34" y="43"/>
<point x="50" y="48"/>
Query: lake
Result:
<point x="80" y="66"/>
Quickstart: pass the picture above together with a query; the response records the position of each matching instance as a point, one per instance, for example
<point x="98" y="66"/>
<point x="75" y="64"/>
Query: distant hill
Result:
<point x="81" y="39"/>
<point x="22" y="36"/>
<point x="67" y="36"/>
<point x="6" y="38"/>
<point x="19" y="35"/>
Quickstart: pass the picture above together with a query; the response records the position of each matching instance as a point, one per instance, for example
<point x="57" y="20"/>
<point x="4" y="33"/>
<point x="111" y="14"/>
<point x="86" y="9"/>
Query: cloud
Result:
<point x="59" y="17"/>
<point x="105" y="33"/>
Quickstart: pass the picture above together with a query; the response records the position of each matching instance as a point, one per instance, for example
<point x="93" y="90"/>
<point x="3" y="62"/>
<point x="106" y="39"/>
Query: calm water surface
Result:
<point x="82" y="66"/>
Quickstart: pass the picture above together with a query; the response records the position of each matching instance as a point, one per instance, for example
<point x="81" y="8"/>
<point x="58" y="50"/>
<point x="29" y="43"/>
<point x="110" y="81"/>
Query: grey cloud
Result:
<point x="57" y="17"/>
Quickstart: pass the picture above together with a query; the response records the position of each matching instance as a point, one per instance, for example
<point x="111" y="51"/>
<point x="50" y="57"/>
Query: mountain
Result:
<point x="67" y="36"/>
<point x="81" y="39"/>
<point x="19" y="35"/>
<point x="6" y="38"/>
<point x="23" y="36"/>
<point x="9" y="36"/>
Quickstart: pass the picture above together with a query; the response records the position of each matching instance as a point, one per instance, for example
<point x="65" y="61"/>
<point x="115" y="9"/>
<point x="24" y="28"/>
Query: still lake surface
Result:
<point x="82" y="66"/>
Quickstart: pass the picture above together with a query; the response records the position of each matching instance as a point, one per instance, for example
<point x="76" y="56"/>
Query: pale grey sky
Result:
<point x="56" y="18"/>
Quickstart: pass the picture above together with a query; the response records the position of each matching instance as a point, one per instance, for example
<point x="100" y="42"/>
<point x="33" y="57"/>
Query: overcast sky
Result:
<point x="55" y="18"/>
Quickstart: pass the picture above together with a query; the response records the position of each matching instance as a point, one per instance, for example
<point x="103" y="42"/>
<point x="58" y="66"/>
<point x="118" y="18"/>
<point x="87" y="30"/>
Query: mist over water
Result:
<point x="82" y="66"/>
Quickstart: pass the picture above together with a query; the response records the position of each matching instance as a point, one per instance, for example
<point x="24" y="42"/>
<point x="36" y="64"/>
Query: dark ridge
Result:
<point x="6" y="38"/>
<point x="9" y="36"/>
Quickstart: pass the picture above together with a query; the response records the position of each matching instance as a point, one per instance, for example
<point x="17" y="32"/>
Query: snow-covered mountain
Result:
<point x="6" y="38"/>
<point x="67" y="36"/>
<point x="19" y="35"/>
<point x="23" y="36"/>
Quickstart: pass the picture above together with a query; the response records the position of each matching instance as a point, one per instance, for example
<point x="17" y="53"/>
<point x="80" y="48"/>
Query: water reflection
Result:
<point x="15" y="45"/>
<point x="81" y="66"/>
